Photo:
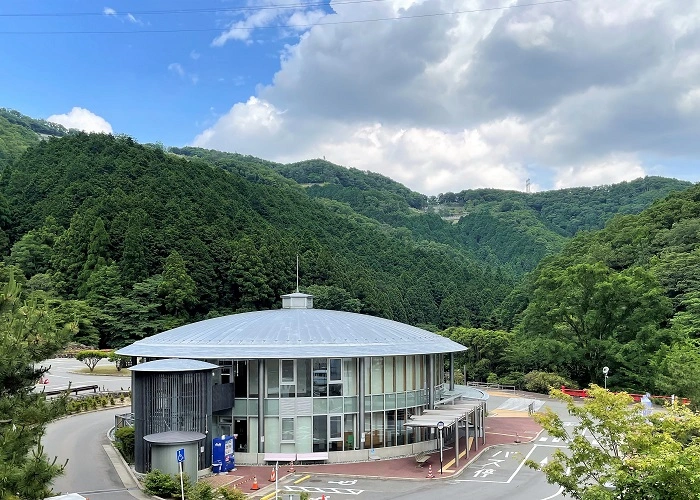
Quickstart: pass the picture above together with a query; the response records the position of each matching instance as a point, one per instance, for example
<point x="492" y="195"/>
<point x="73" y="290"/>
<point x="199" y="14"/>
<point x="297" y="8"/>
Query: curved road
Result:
<point x="80" y="439"/>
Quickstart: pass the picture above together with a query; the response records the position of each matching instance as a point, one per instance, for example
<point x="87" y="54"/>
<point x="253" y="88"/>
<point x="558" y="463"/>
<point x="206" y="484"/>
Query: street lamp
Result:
<point x="606" y="370"/>
<point x="440" y="426"/>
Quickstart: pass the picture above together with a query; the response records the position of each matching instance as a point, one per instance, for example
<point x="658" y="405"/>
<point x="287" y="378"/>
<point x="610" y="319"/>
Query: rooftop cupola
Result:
<point x="297" y="300"/>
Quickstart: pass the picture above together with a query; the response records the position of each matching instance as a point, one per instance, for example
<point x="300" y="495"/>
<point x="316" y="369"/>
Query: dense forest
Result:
<point x="123" y="240"/>
<point x="140" y="240"/>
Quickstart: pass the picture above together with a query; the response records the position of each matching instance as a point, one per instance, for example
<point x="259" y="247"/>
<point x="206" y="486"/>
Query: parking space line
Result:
<point x="302" y="479"/>
<point x="270" y="495"/>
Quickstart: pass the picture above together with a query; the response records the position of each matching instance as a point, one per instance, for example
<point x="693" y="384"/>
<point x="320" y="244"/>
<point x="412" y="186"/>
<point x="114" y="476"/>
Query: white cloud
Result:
<point x="194" y="55"/>
<point x="108" y="11"/>
<point x="606" y="171"/>
<point x="82" y="119"/>
<point x="565" y="94"/>
<point x="177" y="69"/>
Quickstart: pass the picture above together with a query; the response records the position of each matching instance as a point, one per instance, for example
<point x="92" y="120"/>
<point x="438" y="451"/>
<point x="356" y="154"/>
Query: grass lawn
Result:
<point x="106" y="369"/>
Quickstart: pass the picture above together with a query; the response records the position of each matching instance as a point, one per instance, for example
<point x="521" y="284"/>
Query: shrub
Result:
<point x="120" y="361"/>
<point x="542" y="382"/>
<point x="512" y="378"/>
<point x="124" y="441"/>
<point x="161" y="484"/>
<point x="226" y="493"/>
<point x="201" y="491"/>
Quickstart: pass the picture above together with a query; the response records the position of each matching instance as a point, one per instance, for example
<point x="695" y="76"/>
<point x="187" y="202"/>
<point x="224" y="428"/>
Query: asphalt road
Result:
<point x="80" y="439"/>
<point x="63" y="371"/>
<point x="498" y="473"/>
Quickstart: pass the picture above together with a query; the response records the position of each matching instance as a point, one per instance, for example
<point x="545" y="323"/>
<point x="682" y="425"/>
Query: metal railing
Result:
<point x="487" y="385"/>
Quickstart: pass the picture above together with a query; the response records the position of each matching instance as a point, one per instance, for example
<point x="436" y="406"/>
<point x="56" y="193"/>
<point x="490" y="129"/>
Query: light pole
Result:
<point x="440" y="426"/>
<point x="606" y="370"/>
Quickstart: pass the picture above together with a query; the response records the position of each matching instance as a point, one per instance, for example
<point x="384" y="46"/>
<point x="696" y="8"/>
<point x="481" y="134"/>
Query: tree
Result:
<point x="607" y="317"/>
<point x="91" y="358"/>
<point x="633" y="457"/>
<point x="176" y="288"/>
<point x="28" y="335"/>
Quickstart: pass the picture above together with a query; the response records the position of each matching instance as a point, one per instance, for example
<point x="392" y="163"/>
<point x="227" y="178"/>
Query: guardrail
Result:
<point x="583" y="393"/>
<point x="75" y="390"/>
<point x="487" y="385"/>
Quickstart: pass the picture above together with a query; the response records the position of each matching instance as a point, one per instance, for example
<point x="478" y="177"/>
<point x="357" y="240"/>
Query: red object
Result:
<point x="430" y="472"/>
<point x="255" y="484"/>
<point x="273" y="476"/>
<point x="583" y="393"/>
<point x="291" y="467"/>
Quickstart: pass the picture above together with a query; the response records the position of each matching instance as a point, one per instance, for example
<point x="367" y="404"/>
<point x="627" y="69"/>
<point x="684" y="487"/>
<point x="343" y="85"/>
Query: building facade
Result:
<point x="305" y="380"/>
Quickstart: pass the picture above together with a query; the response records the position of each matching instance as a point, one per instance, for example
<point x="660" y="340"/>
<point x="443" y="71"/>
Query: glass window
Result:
<point x="336" y="424"/>
<point x="287" y="429"/>
<point x="336" y="369"/>
<point x="288" y="371"/>
<point x="253" y="378"/>
<point x="349" y="377"/>
<point x="320" y="406"/>
<point x="225" y="375"/>
<point x="335" y="405"/>
<point x="400" y="375"/>
<point x="320" y="442"/>
<point x="410" y="382"/>
<point x="304" y="378"/>
<point x="273" y="378"/>
<point x="377" y="375"/>
<point x="320" y="378"/>
<point x="335" y="389"/>
<point x="272" y="434"/>
<point x="349" y="434"/>
<point x="389" y="374"/>
<point x="351" y="405"/>
<point x="304" y="435"/>
<point x="271" y="406"/>
<point x="287" y="391"/>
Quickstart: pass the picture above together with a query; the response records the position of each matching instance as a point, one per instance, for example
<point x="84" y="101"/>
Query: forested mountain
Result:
<point x="145" y="240"/>
<point x="626" y="297"/>
<point x="518" y="229"/>
<point x="18" y="132"/>
<point x="509" y="229"/>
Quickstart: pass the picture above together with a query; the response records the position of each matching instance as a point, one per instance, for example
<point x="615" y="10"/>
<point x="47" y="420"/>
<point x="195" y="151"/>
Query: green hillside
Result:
<point x="518" y="229"/>
<point x="18" y="132"/>
<point x="626" y="297"/>
<point x="149" y="240"/>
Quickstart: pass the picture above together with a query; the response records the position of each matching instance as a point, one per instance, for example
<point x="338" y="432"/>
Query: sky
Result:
<point x="440" y="95"/>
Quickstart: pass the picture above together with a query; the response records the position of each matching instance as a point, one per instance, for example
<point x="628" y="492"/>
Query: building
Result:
<point x="305" y="381"/>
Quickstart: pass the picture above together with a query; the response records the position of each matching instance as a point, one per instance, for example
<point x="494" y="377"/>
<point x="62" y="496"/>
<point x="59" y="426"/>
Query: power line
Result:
<point x="282" y="26"/>
<point x="189" y="11"/>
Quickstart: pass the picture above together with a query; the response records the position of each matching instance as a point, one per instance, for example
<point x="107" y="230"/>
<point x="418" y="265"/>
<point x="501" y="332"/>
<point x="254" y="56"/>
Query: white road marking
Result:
<point x="325" y="491"/>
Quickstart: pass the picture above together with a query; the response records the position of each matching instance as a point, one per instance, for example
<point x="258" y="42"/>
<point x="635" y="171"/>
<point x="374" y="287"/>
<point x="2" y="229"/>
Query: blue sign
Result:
<point x="180" y="455"/>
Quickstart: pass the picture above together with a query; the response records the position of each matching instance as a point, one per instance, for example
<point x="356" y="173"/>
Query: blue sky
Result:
<point x="442" y="95"/>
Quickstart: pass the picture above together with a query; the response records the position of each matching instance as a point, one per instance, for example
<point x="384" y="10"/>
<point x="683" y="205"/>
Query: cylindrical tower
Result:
<point x="171" y="395"/>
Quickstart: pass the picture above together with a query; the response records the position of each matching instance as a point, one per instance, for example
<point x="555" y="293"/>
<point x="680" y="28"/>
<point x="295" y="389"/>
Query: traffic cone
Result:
<point x="255" y="484"/>
<point x="272" y="475"/>
<point x="291" y="467"/>
<point x="430" y="472"/>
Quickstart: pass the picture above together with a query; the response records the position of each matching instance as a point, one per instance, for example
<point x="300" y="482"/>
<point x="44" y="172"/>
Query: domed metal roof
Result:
<point x="291" y="333"/>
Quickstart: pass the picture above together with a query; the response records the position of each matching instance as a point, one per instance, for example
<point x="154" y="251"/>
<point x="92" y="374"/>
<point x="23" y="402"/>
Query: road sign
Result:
<point x="180" y="455"/>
